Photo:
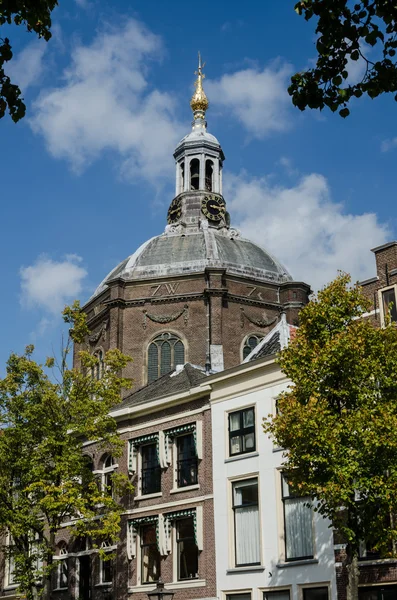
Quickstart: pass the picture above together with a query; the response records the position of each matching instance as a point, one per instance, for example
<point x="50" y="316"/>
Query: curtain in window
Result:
<point x="298" y="528"/>
<point x="247" y="535"/>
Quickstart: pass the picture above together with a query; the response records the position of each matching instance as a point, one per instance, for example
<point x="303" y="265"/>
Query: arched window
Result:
<point x="62" y="570"/>
<point x="195" y="174"/>
<point x="98" y="368"/>
<point x="108" y="467"/>
<point x="209" y="171"/>
<point x="165" y="352"/>
<point x="251" y="341"/>
<point x="182" y="177"/>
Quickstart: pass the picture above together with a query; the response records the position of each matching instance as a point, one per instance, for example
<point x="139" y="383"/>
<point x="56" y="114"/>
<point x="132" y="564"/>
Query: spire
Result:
<point x="199" y="101"/>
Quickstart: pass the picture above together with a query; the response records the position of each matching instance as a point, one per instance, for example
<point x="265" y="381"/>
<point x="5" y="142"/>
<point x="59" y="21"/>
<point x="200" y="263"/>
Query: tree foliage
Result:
<point x="346" y="30"/>
<point x="45" y="479"/>
<point x="338" y="421"/>
<point x="36" y="16"/>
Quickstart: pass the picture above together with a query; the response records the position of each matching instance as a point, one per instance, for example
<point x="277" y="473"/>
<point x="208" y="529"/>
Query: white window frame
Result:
<point x="140" y="493"/>
<point x="281" y="524"/>
<point x="199" y="452"/>
<point x="104" y="471"/>
<point x="380" y="301"/>
<point x="234" y="592"/>
<point x="139" y="557"/>
<point x="10" y="566"/>
<point x="227" y="440"/>
<point x="281" y="588"/>
<point x="109" y="548"/>
<point x="232" y="539"/>
<point x="175" y="561"/>
<point x="60" y="559"/>
<point x="317" y="584"/>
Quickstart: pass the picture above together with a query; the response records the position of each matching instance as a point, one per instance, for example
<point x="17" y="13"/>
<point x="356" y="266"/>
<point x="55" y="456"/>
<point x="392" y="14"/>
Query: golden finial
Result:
<point x="199" y="100"/>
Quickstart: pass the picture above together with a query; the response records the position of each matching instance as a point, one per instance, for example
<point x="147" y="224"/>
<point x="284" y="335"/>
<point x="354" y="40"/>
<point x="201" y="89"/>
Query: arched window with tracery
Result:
<point x="251" y="341"/>
<point x="209" y="172"/>
<point x="165" y="352"/>
<point x="195" y="174"/>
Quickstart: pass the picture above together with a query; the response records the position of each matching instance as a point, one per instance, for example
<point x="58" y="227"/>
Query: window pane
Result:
<point x="165" y="366"/>
<point x="187" y="550"/>
<point x="246" y="492"/>
<point x="234" y="421"/>
<point x="246" y="522"/>
<point x="107" y="571"/>
<point x="389" y="304"/>
<point x="320" y="593"/>
<point x="242" y="431"/>
<point x="151" y="472"/>
<point x="282" y="595"/>
<point x="235" y="445"/>
<point x="63" y="573"/>
<point x="238" y="597"/>
<point x="150" y="555"/>
<point x="153" y="363"/>
<point x="187" y="460"/>
<point x="247" y="535"/>
<point x="179" y="354"/>
<point x="248" y="417"/>
<point x="298" y="529"/>
<point x="249" y="441"/>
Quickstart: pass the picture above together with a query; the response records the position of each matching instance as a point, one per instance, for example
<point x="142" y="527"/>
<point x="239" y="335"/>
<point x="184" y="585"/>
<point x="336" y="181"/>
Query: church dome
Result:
<point x="198" y="136"/>
<point x="173" y="254"/>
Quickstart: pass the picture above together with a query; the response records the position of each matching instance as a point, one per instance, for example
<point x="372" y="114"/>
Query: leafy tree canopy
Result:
<point x="36" y="16"/>
<point x="347" y="30"/>
<point x="338" y="421"/>
<point x="45" y="475"/>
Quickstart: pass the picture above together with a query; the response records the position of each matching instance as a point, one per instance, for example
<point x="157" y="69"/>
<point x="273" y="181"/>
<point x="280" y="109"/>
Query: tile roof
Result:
<point x="180" y="380"/>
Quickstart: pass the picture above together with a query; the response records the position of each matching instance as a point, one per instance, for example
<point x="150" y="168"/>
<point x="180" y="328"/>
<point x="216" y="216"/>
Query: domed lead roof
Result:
<point x="176" y="254"/>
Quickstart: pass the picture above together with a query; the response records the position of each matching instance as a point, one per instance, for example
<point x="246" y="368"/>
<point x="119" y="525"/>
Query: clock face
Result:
<point x="174" y="211"/>
<point x="213" y="207"/>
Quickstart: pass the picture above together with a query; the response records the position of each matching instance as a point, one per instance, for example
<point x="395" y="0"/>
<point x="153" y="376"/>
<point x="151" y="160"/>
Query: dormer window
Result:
<point x="195" y="174"/>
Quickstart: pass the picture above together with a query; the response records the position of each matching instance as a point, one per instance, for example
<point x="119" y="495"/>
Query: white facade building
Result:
<point x="269" y="545"/>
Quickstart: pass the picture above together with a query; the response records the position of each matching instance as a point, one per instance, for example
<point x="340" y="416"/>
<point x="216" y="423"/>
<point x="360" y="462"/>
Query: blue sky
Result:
<point x="88" y="175"/>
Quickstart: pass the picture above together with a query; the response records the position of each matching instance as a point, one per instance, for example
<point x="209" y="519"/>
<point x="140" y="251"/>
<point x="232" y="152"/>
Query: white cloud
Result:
<point x="257" y="98"/>
<point x="50" y="284"/>
<point x="302" y="226"/>
<point x="389" y="144"/>
<point x="26" y="67"/>
<point x="105" y="103"/>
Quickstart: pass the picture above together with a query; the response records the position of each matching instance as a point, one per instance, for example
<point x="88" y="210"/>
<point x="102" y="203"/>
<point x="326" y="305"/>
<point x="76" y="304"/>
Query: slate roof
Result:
<point x="277" y="339"/>
<point x="194" y="251"/>
<point x="175" y="382"/>
<point x="272" y="346"/>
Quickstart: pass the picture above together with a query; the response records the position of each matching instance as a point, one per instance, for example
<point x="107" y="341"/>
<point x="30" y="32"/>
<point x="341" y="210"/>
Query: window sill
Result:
<point x="241" y="456"/>
<point x="248" y="569"/>
<point x="12" y="586"/>
<point x="104" y="584"/>
<point x="176" y="585"/>
<point x="187" y="488"/>
<point x="63" y="589"/>
<point x="297" y="563"/>
<point x="188" y="583"/>
<point x="148" y="496"/>
<point x="376" y="561"/>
